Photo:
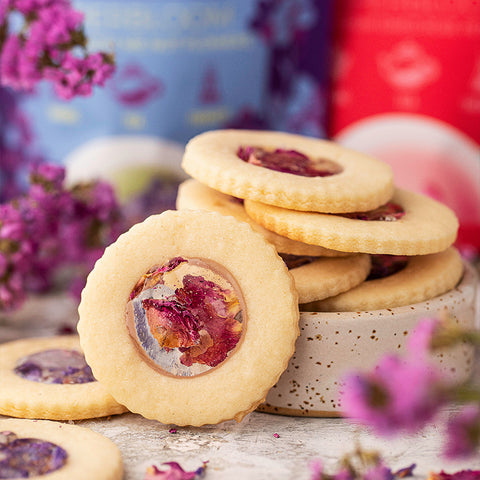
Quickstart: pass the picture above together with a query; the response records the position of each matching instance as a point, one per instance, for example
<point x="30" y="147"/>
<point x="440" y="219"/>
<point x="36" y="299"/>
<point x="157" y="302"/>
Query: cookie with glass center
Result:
<point x="194" y="195"/>
<point x="289" y="171"/>
<point x="409" y="224"/>
<point x="49" y="378"/>
<point x="44" y="449"/>
<point x="189" y="318"/>
<point x="398" y="281"/>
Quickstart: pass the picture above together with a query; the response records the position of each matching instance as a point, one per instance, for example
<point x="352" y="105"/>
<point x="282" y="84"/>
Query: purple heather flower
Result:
<point x="52" y="227"/>
<point x="9" y="61"/>
<point x="11" y="224"/>
<point x="4" y="6"/>
<point x="463" y="433"/>
<point x="48" y="174"/>
<point x="354" y="466"/>
<point x="70" y="84"/>
<point x="24" y="6"/>
<point x="3" y="264"/>
<point x="101" y="68"/>
<point x="316" y="469"/>
<point x="19" y="62"/>
<point x="343" y="474"/>
<point x="52" y="30"/>
<point x="28" y="71"/>
<point x="399" y="395"/>
<point x="174" y="472"/>
<point x="36" y="40"/>
<point x="32" y="6"/>
<point x="378" y="472"/>
<point x="59" y="22"/>
<point x="420" y="338"/>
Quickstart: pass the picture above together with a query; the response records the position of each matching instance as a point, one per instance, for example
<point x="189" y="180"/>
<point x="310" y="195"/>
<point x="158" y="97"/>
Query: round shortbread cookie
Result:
<point x="362" y="184"/>
<point x="423" y="277"/>
<point x="85" y="454"/>
<point x="26" y="398"/>
<point x="427" y="226"/>
<point x="152" y="337"/>
<point x="324" y="277"/>
<point x="193" y="195"/>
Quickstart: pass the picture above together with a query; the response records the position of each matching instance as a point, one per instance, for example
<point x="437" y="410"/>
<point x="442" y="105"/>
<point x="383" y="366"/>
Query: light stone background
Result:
<point x="249" y="450"/>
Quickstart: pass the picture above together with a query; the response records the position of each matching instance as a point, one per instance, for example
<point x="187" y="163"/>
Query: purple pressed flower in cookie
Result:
<point x="55" y="366"/>
<point x="288" y="161"/>
<point x="28" y="457"/>
<point x="390" y="212"/>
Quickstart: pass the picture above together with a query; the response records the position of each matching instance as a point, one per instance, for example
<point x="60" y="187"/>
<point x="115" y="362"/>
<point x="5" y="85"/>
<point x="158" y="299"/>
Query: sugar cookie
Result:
<point x="289" y="171"/>
<point x="425" y="226"/>
<point x="189" y="318"/>
<point x="423" y="277"/>
<point x="194" y="195"/>
<point x="320" y="278"/>
<point x="48" y="378"/>
<point x="39" y="449"/>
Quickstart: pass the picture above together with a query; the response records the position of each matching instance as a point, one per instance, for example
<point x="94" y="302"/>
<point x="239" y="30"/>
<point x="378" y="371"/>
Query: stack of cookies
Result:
<point x="334" y="215"/>
<point x="359" y="249"/>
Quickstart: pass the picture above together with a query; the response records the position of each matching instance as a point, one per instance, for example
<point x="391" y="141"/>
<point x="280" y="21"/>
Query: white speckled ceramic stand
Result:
<point x="331" y="344"/>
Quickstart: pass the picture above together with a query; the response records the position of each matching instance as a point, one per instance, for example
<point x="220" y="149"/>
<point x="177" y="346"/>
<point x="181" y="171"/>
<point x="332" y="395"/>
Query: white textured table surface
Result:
<point x="249" y="450"/>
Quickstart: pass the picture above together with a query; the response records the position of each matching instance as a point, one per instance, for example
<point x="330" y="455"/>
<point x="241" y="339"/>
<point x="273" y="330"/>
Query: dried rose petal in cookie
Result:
<point x="28" y="457"/>
<point x="289" y="161"/>
<point x="55" y="366"/>
<point x="295" y="261"/>
<point x="185" y="316"/>
<point x="390" y="212"/>
<point x="386" y="265"/>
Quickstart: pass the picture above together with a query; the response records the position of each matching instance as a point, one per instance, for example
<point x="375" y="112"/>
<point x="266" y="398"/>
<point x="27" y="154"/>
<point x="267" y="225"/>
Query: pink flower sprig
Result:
<point x="463" y="433"/>
<point x="369" y="465"/>
<point x="52" y="229"/>
<point x="51" y="45"/>
<point x="359" y="465"/>
<point x="403" y="394"/>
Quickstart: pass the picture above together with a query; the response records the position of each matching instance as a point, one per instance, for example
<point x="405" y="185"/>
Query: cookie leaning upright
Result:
<point x="189" y="318"/>
<point x="288" y="171"/>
